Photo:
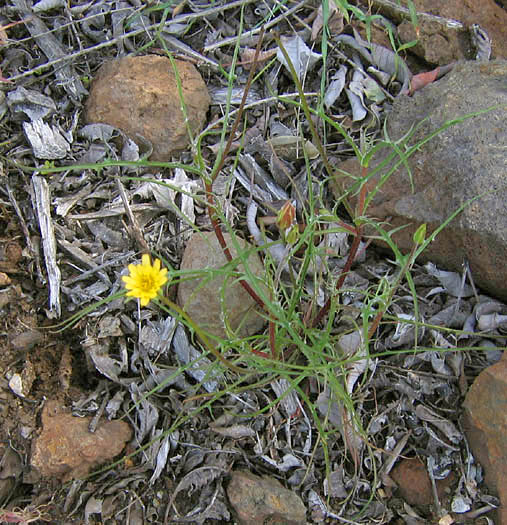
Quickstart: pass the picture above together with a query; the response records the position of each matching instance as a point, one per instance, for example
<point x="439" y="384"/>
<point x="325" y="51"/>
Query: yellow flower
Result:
<point x="144" y="280"/>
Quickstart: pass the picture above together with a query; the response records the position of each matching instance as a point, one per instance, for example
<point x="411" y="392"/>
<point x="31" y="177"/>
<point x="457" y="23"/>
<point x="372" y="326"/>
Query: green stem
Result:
<point x="202" y="336"/>
<point x="358" y="235"/>
<point x="306" y="109"/>
<point x="408" y="263"/>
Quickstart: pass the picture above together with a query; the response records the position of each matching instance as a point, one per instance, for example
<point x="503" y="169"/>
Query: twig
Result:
<point x="52" y="48"/>
<point x="188" y="51"/>
<point x="436" y="500"/>
<point x="254" y="32"/>
<point x="261" y="102"/>
<point x="136" y="230"/>
<point x="92" y="426"/>
<point x="41" y="204"/>
<point x="34" y="253"/>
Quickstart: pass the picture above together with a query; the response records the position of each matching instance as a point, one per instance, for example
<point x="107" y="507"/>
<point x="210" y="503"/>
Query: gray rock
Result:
<point x="460" y="163"/>
<point x="210" y="302"/>
<point x="257" y="500"/>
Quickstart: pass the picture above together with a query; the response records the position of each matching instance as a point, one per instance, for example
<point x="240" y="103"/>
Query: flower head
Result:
<point x="144" y="280"/>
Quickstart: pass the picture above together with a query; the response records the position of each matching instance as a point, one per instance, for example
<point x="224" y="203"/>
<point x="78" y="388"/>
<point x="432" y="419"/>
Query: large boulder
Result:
<point x="464" y="161"/>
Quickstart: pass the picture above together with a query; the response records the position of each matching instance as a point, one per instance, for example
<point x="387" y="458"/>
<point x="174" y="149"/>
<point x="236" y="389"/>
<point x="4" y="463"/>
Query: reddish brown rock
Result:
<point x="461" y="163"/>
<point x="139" y="95"/>
<point x="437" y="43"/>
<point x="441" y="44"/>
<point x="257" y="500"/>
<point x="68" y="450"/>
<point x="414" y="484"/>
<point x="485" y="423"/>
<point x="202" y="299"/>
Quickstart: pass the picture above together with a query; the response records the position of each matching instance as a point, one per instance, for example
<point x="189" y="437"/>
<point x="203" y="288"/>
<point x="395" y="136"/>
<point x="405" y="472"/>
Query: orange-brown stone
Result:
<point x="68" y="450"/>
<point x="485" y="425"/>
<point x="140" y="96"/>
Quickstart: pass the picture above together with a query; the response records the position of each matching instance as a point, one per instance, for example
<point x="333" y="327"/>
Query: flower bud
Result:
<point x="286" y="216"/>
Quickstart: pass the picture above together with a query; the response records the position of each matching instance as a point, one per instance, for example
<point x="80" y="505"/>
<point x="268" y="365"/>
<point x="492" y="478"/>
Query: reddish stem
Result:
<point x="259" y="353"/>
<point x="375" y="324"/>
<point x="223" y="244"/>
<point x="352" y="255"/>
<point x="347" y="227"/>
<point x="272" y="338"/>
<point x="209" y="183"/>
<point x="358" y="233"/>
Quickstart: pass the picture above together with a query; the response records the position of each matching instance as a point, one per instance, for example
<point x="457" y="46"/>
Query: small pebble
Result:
<point x="26" y="340"/>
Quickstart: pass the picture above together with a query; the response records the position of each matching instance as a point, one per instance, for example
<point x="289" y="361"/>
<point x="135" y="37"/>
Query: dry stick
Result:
<point x="135" y="228"/>
<point x="209" y="183"/>
<point x="398" y="14"/>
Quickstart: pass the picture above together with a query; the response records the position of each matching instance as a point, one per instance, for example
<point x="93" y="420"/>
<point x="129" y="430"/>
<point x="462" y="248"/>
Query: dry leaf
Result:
<point x="3" y="36"/>
<point x="423" y="79"/>
<point x="47" y="5"/>
<point x="302" y="57"/>
<point x="334" y="23"/>
<point x="248" y="57"/>
<point x="291" y="147"/>
<point x="482" y="43"/>
<point x="235" y="431"/>
<point x="335" y="87"/>
<point x="179" y="8"/>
